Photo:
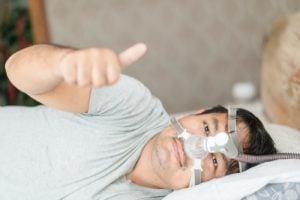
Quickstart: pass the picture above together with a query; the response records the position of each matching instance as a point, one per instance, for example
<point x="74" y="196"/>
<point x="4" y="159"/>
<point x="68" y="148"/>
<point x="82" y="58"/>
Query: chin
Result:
<point x="179" y="186"/>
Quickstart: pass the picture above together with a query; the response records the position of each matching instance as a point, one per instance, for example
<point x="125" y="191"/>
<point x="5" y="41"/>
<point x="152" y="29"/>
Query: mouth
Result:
<point x="179" y="153"/>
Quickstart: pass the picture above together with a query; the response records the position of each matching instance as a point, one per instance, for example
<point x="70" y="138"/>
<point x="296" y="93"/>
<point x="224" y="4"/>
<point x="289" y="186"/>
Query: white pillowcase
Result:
<point x="237" y="186"/>
<point x="286" y="139"/>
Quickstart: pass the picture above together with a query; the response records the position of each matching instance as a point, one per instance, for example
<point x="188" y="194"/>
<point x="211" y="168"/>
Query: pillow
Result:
<point x="238" y="186"/>
<point x="286" y="139"/>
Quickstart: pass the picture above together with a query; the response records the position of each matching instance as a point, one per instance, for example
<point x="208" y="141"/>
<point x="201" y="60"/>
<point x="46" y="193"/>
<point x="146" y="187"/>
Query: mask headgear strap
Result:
<point x="181" y="132"/>
<point x="196" y="169"/>
<point x="232" y="112"/>
<point x="196" y="173"/>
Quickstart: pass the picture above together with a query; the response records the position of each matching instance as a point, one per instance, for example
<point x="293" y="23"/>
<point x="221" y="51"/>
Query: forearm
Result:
<point x="34" y="70"/>
<point x="62" y="78"/>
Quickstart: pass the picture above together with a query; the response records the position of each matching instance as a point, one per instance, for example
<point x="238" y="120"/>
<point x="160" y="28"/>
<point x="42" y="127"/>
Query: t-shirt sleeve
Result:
<point x="128" y="95"/>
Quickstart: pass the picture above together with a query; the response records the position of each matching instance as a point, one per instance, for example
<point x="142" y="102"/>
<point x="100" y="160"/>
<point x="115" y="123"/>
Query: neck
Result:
<point x="143" y="173"/>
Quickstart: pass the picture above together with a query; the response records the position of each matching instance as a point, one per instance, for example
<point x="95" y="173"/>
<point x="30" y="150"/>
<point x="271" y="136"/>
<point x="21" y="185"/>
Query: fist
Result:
<point x="97" y="67"/>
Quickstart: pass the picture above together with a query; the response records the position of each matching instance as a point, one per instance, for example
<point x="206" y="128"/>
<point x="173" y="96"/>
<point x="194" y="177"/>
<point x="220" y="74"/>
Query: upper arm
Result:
<point x="66" y="97"/>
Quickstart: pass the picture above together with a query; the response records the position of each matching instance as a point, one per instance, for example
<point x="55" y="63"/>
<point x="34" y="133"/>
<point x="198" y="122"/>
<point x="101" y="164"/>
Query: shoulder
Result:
<point x="127" y="92"/>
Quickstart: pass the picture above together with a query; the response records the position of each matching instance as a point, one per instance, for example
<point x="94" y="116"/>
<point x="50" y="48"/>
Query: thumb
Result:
<point x="132" y="54"/>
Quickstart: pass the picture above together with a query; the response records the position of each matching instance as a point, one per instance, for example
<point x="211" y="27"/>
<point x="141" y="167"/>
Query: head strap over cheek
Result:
<point x="234" y="146"/>
<point x="181" y="132"/>
<point x="196" y="173"/>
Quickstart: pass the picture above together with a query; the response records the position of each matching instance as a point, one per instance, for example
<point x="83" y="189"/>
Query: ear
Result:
<point x="199" y="111"/>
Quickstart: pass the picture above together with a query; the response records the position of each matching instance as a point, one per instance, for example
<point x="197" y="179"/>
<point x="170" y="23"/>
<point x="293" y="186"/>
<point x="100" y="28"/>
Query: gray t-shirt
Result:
<point x="50" y="154"/>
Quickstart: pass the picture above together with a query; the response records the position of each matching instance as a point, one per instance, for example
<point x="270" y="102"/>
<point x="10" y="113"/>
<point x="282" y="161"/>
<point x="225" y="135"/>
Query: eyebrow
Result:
<point x="216" y="124"/>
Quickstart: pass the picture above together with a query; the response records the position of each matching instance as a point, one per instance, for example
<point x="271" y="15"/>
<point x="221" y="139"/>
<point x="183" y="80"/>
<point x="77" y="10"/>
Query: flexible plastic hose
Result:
<point x="265" y="158"/>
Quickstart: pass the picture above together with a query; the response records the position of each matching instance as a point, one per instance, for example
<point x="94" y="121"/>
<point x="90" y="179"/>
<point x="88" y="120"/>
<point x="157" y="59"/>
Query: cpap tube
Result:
<point x="265" y="158"/>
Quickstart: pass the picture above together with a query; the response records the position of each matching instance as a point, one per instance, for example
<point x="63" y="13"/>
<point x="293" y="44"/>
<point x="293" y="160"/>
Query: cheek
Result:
<point x="206" y="173"/>
<point x="208" y="169"/>
<point x="161" y="155"/>
<point x="210" y="172"/>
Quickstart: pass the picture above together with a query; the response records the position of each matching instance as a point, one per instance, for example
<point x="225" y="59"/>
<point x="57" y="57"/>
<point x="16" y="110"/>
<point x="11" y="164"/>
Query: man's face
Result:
<point x="171" y="164"/>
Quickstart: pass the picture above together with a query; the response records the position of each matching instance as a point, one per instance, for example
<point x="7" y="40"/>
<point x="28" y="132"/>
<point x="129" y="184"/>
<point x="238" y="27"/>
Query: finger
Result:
<point x="84" y="74"/>
<point x="113" y="71"/>
<point x="132" y="54"/>
<point x="98" y="76"/>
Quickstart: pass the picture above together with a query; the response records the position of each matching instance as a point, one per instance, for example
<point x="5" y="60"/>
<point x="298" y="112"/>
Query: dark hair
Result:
<point x="260" y="142"/>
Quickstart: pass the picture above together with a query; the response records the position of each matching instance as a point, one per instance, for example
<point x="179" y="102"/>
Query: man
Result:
<point x="101" y="135"/>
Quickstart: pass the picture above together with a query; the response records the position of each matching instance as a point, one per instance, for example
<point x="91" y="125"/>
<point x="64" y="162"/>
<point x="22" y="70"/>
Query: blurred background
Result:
<point x="199" y="51"/>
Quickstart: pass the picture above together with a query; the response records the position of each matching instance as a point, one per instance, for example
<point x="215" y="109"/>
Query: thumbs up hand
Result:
<point x="97" y="67"/>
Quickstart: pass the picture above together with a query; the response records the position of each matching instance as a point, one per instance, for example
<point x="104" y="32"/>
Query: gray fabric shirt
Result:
<point x="50" y="154"/>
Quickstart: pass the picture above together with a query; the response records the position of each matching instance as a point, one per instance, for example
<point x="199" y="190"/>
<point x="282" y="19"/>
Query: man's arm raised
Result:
<point x="62" y="77"/>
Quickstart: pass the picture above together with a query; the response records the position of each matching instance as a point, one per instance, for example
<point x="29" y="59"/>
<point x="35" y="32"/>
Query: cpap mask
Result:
<point x="197" y="147"/>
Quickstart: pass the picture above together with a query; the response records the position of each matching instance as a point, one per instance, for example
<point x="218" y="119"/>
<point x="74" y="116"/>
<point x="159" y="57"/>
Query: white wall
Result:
<point x="197" y="48"/>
